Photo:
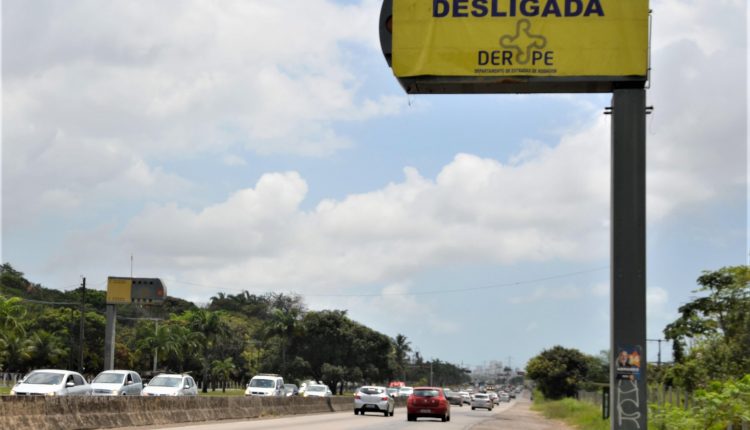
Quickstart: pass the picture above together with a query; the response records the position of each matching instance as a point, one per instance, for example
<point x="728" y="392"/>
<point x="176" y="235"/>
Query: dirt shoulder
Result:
<point x="521" y="417"/>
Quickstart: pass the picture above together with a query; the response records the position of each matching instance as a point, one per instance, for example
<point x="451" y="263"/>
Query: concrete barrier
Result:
<point x="77" y="413"/>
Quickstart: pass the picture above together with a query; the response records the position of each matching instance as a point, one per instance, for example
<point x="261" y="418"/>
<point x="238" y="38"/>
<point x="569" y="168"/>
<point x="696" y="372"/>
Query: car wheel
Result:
<point x="393" y="412"/>
<point x="444" y="418"/>
<point x="385" y="413"/>
<point x="356" y="412"/>
<point x="410" y="417"/>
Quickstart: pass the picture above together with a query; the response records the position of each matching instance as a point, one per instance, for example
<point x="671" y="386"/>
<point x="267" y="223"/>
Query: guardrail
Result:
<point x="72" y="413"/>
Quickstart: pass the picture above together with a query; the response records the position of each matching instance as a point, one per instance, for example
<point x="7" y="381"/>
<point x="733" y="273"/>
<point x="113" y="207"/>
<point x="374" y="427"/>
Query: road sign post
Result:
<point x="627" y="388"/>
<point x="145" y="291"/>
<point x="553" y="46"/>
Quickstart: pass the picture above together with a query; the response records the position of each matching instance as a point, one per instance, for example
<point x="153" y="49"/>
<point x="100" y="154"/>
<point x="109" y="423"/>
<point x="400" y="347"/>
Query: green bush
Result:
<point x="714" y="408"/>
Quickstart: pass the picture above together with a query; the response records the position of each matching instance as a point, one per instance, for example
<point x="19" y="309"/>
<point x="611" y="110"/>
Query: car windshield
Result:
<point x="44" y="378"/>
<point x="316" y="388"/>
<point x="371" y="390"/>
<point x="109" y="378"/>
<point x="426" y="393"/>
<point x="165" y="381"/>
<point x="262" y="383"/>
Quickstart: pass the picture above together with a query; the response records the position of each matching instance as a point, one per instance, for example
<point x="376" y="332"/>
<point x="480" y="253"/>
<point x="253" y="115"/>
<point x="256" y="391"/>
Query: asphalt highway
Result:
<point x="461" y="418"/>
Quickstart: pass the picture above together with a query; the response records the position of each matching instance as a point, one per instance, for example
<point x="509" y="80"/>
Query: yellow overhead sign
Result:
<point x="119" y="290"/>
<point x="530" y="38"/>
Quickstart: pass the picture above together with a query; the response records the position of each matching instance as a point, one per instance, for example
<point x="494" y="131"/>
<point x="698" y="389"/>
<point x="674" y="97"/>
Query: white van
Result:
<point x="266" y="385"/>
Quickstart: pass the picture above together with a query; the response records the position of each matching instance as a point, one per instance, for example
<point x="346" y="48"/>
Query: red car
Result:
<point x="428" y="402"/>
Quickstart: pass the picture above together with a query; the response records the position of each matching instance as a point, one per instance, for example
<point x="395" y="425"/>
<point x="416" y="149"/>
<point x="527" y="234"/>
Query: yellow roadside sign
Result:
<point x="531" y="38"/>
<point x="118" y="290"/>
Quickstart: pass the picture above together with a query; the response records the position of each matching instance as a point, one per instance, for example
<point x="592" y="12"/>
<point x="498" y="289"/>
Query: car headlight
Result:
<point x="51" y="393"/>
<point x="115" y="392"/>
<point x="12" y="392"/>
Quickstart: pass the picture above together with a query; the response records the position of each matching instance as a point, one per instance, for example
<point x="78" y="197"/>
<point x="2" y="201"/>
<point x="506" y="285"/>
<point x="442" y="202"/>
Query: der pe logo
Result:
<point x="523" y="42"/>
<point x="521" y="48"/>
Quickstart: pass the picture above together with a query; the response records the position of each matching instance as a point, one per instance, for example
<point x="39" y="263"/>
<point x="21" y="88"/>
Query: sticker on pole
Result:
<point x="628" y="362"/>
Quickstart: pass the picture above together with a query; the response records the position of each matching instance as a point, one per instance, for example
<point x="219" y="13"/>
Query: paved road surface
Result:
<point x="507" y="416"/>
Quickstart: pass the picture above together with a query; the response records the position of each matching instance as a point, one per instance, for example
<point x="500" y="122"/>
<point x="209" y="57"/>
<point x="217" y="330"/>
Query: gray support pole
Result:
<point x="82" y="324"/>
<point x="109" y="338"/>
<point x="628" y="398"/>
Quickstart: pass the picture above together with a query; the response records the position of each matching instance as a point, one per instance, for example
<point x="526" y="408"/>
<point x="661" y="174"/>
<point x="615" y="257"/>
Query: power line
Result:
<point x="43" y="302"/>
<point x="432" y="292"/>
<point x="413" y="293"/>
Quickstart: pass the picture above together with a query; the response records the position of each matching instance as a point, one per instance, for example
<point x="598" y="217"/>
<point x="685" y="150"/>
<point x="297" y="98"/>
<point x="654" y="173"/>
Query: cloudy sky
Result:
<point x="266" y="146"/>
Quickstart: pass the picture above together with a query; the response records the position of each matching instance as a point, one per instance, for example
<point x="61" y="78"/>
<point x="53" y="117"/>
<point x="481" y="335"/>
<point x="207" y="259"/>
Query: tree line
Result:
<point x="711" y="357"/>
<point x="232" y="338"/>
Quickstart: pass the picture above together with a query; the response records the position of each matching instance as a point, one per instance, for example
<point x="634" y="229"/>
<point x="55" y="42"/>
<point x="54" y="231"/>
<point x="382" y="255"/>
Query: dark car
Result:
<point x="429" y="402"/>
<point x="454" y="397"/>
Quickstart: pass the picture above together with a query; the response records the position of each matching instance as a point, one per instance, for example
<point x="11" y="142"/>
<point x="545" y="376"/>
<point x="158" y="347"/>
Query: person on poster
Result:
<point x="623" y="360"/>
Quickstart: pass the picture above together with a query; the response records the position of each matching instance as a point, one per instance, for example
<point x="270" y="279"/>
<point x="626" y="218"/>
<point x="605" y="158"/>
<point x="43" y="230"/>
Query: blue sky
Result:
<point x="266" y="146"/>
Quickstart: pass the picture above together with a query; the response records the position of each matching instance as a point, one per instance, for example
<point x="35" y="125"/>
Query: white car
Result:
<point x="266" y="385"/>
<point x="52" y="382"/>
<point x="317" y="390"/>
<point x="167" y="384"/>
<point x="117" y="383"/>
<point x="405" y="391"/>
<point x="373" y="399"/>
<point x="481" y="400"/>
<point x="504" y="397"/>
<point x="465" y="396"/>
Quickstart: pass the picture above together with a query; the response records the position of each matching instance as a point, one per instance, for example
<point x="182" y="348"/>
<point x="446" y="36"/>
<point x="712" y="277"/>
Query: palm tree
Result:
<point x="212" y="330"/>
<point x="48" y="349"/>
<point x="283" y="325"/>
<point x="165" y="340"/>
<point x="12" y="314"/>
<point x="223" y="369"/>
<point x="402" y="348"/>
<point x="18" y="348"/>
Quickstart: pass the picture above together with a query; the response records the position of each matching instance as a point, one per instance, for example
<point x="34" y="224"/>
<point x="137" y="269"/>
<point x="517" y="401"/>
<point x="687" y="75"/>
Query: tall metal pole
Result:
<point x="156" y="349"/>
<point x="80" y="330"/>
<point x="109" y="337"/>
<point x="658" y="356"/>
<point x="628" y="260"/>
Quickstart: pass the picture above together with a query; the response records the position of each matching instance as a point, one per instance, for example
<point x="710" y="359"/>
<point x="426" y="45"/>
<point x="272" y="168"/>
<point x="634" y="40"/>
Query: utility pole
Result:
<point x="658" y="357"/>
<point x="80" y="331"/>
<point x="156" y="349"/>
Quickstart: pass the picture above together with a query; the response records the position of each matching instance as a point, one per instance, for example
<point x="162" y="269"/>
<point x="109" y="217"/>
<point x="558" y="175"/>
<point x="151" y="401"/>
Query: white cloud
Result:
<point x="473" y="211"/>
<point x="149" y="81"/>
<point x="660" y="310"/>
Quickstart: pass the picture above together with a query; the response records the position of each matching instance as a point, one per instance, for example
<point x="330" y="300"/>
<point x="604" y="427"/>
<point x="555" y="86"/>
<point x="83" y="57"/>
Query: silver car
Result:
<point x="52" y="382"/>
<point x="166" y="384"/>
<point x="317" y="390"/>
<point x="117" y="383"/>
<point x="373" y="399"/>
<point x="481" y="400"/>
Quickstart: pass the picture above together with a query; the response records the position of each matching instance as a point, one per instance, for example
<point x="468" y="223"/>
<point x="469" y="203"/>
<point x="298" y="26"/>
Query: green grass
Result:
<point x="4" y="391"/>
<point x="582" y="415"/>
